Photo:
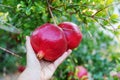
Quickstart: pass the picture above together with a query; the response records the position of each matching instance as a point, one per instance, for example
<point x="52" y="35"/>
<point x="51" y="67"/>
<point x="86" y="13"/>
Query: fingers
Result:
<point x="62" y="58"/>
<point x="28" y="45"/>
<point x="31" y="57"/>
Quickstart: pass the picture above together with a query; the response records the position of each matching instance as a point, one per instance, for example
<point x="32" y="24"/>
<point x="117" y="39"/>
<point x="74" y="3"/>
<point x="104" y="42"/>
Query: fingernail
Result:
<point x="69" y="50"/>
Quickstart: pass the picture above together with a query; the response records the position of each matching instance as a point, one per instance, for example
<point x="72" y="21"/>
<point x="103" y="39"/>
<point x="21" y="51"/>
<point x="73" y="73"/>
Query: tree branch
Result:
<point x="105" y="8"/>
<point x="99" y="23"/>
<point x="105" y="20"/>
<point x="5" y="6"/>
<point x="95" y="18"/>
<point x="9" y="27"/>
<point x="51" y="12"/>
<point x="10" y="52"/>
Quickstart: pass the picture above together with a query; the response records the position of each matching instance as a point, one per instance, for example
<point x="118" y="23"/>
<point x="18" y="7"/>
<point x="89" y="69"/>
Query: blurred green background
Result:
<point x="99" y="51"/>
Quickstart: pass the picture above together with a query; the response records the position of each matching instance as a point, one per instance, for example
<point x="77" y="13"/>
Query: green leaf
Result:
<point x="118" y="26"/>
<point x="45" y="17"/>
<point x="114" y="16"/>
<point x="109" y="2"/>
<point x="28" y="11"/>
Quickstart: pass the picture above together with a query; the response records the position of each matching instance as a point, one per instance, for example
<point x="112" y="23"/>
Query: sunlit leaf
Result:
<point x="109" y="2"/>
<point x="114" y="16"/>
<point x="118" y="26"/>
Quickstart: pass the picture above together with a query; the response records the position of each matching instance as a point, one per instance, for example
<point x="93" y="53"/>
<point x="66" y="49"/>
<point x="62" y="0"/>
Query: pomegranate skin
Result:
<point x="72" y="33"/>
<point x="48" y="42"/>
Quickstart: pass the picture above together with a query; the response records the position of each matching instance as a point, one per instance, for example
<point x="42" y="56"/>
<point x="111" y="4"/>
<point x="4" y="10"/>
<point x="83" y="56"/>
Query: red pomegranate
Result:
<point x="21" y="68"/>
<point x="48" y="42"/>
<point x="81" y="72"/>
<point x="70" y="75"/>
<point x="72" y="33"/>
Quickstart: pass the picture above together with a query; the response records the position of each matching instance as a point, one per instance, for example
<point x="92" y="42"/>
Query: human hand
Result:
<point x="40" y="70"/>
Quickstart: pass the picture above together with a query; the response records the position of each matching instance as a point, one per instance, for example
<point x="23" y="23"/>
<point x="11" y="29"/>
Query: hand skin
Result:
<point x="39" y="69"/>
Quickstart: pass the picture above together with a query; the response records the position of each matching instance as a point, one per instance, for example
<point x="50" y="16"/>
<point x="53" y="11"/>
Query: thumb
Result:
<point x="32" y="60"/>
<point x="62" y="58"/>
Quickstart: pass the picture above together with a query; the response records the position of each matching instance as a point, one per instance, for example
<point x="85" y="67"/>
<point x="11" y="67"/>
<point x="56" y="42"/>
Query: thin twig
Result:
<point x="105" y="8"/>
<point x="111" y="25"/>
<point x="91" y="36"/>
<point x="117" y="3"/>
<point x="10" y="52"/>
<point x="99" y="23"/>
<point x="11" y="28"/>
<point x="95" y="17"/>
<point x="5" y="6"/>
<point x="106" y="20"/>
<point x="72" y="5"/>
<point x="51" y="12"/>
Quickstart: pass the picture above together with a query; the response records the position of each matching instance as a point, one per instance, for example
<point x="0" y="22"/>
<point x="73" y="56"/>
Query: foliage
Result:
<point x="99" y="49"/>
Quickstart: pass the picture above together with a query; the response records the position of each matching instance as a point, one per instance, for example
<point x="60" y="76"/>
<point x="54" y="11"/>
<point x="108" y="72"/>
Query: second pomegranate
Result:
<point x="72" y="33"/>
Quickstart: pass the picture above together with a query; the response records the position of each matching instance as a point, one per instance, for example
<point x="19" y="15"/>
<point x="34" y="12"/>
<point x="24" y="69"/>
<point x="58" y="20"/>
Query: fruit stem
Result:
<point x="10" y="52"/>
<point x="51" y="13"/>
<point x="40" y="55"/>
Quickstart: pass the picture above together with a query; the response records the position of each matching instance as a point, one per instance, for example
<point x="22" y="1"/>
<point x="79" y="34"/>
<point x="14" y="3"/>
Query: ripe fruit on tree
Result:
<point x="48" y="42"/>
<point x="72" y="33"/>
<point x="70" y="75"/>
<point x="21" y="68"/>
<point x="81" y="73"/>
